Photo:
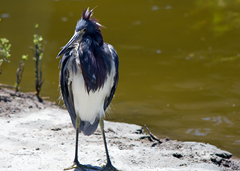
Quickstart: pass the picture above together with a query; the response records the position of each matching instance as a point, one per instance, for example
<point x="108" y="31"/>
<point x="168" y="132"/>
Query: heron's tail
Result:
<point x="87" y="128"/>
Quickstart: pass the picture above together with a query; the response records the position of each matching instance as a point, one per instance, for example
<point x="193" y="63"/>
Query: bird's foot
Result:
<point x="109" y="167"/>
<point x="77" y="165"/>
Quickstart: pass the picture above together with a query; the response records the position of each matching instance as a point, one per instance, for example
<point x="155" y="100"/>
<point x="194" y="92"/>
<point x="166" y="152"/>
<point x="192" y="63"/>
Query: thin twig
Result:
<point x="19" y="74"/>
<point x="7" y="86"/>
<point x="152" y="136"/>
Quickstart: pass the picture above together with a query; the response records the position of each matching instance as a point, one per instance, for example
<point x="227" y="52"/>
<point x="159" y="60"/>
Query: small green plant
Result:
<point x="20" y="71"/>
<point x="38" y="54"/>
<point x="4" y="51"/>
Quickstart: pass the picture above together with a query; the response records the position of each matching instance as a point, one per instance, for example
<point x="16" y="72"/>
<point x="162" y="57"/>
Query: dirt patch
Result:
<point x="12" y="102"/>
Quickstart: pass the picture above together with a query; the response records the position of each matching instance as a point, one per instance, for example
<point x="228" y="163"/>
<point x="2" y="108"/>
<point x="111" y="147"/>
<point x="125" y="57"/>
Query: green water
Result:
<point x="179" y="60"/>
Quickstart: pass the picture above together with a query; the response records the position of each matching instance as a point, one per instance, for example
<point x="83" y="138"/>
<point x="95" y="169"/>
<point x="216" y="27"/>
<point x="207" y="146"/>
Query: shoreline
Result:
<point x="45" y="140"/>
<point x="41" y="137"/>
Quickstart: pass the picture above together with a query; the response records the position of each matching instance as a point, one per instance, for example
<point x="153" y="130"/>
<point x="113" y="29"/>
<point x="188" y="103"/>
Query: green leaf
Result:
<point x="4" y="40"/>
<point x="25" y="57"/>
<point x="40" y="56"/>
<point x="40" y="38"/>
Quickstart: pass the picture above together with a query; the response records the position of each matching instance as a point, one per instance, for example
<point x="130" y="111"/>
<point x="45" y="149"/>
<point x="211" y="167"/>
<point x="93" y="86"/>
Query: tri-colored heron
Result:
<point x="88" y="79"/>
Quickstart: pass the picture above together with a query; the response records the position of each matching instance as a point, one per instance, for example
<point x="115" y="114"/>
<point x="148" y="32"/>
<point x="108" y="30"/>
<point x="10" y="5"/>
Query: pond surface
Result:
<point x="179" y="60"/>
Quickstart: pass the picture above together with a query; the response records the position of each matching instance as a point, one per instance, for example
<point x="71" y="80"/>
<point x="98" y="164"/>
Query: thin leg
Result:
<point x="76" y="163"/>
<point x="109" y="165"/>
<point x="76" y="144"/>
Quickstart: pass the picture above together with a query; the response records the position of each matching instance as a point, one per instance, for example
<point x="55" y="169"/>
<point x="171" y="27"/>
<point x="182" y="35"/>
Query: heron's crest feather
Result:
<point x="86" y="15"/>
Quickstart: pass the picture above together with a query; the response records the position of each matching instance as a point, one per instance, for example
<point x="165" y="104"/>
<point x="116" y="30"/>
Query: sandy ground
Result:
<point x="44" y="140"/>
<point x="39" y="136"/>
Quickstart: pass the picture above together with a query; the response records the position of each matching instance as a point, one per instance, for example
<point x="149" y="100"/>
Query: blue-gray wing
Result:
<point x="68" y="65"/>
<point x="114" y="56"/>
<point x="66" y="85"/>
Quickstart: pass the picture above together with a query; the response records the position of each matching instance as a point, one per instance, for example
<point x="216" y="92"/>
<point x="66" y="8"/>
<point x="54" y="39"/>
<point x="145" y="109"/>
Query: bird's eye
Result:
<point x="85" y="30"/>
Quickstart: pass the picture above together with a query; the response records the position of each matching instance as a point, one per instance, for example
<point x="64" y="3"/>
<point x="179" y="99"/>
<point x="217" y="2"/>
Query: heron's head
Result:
<point x="86" y="26"/>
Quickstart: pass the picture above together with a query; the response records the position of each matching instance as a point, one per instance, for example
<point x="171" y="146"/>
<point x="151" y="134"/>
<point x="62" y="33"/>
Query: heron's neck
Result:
<point x="93" y="65"/>
<point x="97" y="38"/>
<point x="94" y="40"/>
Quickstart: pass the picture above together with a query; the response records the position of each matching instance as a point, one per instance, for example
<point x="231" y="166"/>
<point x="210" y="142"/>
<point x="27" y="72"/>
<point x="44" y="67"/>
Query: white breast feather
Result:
<point x="89" y="106"/>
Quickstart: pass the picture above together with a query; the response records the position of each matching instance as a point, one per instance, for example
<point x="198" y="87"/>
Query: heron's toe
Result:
<point x="109" y="167"/>
<point x="75" y="166"/>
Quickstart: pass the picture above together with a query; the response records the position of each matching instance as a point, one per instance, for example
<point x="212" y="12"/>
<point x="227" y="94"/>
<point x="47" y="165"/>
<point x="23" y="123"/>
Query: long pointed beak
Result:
<point x="76" y="37"/>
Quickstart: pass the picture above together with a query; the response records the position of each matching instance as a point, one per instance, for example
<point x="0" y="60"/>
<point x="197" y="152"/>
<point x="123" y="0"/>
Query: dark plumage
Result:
<point x="88" y="77"/>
